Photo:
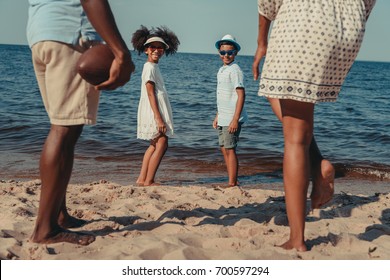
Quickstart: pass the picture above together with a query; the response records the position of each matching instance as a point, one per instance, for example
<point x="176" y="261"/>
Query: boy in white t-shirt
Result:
<point x="230" y="104"/>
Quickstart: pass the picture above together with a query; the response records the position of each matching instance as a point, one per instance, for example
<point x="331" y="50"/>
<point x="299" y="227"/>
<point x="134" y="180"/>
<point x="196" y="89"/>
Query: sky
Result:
<point x="198" y="23"/>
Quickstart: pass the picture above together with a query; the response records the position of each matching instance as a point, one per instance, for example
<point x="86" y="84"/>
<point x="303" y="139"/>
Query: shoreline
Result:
<point x="196" y="222"/>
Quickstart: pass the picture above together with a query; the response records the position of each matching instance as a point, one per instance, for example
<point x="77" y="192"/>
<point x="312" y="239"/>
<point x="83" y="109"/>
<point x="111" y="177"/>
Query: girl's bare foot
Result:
<point x="151" y="184"/>
<point x="323" y="184"/>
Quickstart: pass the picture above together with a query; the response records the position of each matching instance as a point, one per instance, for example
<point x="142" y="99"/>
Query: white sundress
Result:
<point x="312" y="46"/>
<point x="147" y="127"/>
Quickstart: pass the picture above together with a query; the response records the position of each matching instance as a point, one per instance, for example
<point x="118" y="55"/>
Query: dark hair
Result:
<point x="223" y="43"/>
<point x="140" y="37"/>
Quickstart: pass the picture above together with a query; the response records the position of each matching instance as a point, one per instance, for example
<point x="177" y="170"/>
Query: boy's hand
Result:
<point x="215" y="122"/>
<point x="233" y="127"/>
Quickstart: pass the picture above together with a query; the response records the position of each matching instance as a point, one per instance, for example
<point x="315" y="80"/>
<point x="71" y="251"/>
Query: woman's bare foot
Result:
<point x="323" y="184"/>
<point x="63" y="235"/>
<point x="289" y="245"/>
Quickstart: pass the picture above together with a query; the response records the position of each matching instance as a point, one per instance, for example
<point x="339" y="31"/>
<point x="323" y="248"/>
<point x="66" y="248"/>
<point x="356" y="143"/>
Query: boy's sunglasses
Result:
<point x="229" y="53"/>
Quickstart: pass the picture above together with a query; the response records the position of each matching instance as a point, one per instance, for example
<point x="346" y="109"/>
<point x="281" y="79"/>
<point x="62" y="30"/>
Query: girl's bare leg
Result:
<point x="145" y="163"/>
<point x="161" y="146"/>
<point x="297" y="120"/>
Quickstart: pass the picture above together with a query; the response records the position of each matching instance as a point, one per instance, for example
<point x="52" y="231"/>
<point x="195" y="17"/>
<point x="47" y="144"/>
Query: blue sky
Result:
<point x="198" y="23"/>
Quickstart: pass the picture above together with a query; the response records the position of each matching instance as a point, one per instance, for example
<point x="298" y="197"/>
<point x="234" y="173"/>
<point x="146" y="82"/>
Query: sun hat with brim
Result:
<point x="230" y="39"/>
<point x="156" y="39"/>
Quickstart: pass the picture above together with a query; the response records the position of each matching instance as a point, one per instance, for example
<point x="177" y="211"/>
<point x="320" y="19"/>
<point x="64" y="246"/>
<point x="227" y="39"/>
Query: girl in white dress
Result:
<point x="155" y="122"/>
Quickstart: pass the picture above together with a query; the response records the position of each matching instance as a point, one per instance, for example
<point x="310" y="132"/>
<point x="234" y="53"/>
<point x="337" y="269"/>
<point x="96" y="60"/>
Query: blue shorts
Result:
<point x="226" y="139"/>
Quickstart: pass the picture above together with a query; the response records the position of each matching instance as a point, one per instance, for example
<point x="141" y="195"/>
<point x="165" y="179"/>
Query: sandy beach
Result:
<point x="194" y="222"/>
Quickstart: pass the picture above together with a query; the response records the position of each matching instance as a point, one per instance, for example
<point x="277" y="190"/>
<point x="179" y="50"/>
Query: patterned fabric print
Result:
<point x="312" y="47"/>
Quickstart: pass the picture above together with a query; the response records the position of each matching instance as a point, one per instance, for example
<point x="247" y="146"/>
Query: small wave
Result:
<point x="381" y="172"/>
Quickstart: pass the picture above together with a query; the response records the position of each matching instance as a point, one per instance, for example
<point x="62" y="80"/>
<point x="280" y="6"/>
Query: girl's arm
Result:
<point x="262" y="42"/>
<point x="150" y="88"/>
<point x="237" y="113"/>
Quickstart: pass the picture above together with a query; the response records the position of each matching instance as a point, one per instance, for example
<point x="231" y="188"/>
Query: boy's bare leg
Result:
<point x="232" y="166"/>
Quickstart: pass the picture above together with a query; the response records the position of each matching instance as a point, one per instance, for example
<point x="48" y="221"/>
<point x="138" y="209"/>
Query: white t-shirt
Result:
<point x="230" y="77"/>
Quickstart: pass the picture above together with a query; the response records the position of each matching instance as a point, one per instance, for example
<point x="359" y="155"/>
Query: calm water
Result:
<point x="354" y="132"/>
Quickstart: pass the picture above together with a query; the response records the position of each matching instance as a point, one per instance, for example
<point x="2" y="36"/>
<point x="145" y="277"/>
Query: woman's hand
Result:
<point x="260" y="53"/>
<point x="262" y="43"/>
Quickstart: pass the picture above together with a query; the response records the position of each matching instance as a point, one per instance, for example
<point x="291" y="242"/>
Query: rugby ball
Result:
<point x="95" y="63"/>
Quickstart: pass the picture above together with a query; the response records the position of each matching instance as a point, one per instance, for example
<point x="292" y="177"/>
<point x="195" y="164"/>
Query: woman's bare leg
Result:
<point x="323" y="174"/>
<point x="322" y="170"/>
<point x="297" y="120"/>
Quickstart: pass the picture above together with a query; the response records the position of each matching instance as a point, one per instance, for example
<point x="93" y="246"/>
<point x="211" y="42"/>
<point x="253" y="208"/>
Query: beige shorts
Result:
<point x="68" y="99"/>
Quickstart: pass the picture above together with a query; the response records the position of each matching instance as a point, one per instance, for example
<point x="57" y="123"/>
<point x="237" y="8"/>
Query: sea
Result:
<point x="353" y="133"/>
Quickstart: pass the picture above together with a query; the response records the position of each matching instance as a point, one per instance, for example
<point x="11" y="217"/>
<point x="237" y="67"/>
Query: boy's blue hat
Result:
<point x="230" y="39"/>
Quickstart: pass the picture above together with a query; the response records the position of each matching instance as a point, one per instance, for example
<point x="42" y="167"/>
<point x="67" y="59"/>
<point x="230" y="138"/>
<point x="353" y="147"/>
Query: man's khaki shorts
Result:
<point x="68" y="99"/>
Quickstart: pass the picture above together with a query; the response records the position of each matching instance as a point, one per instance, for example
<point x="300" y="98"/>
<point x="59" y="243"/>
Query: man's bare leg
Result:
<point x="55" y="168"/>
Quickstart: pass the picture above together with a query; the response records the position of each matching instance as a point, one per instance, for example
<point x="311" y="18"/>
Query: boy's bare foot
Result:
<point x="289" y="245"/>
<point x="63" y="235"/>
<point x="71" y="222"/>
<point x="323" y="184"/>
<point x="227" y="186"/>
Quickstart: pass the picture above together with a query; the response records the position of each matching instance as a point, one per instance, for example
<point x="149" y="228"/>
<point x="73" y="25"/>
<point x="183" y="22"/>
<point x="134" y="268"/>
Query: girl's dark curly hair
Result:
<point x="139" y="38"/>
<point x="143" y="34"/>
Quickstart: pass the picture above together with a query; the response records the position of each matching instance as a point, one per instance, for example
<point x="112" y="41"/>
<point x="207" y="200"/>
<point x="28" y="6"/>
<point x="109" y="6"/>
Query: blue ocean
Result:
<point x="354" y="132"/>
